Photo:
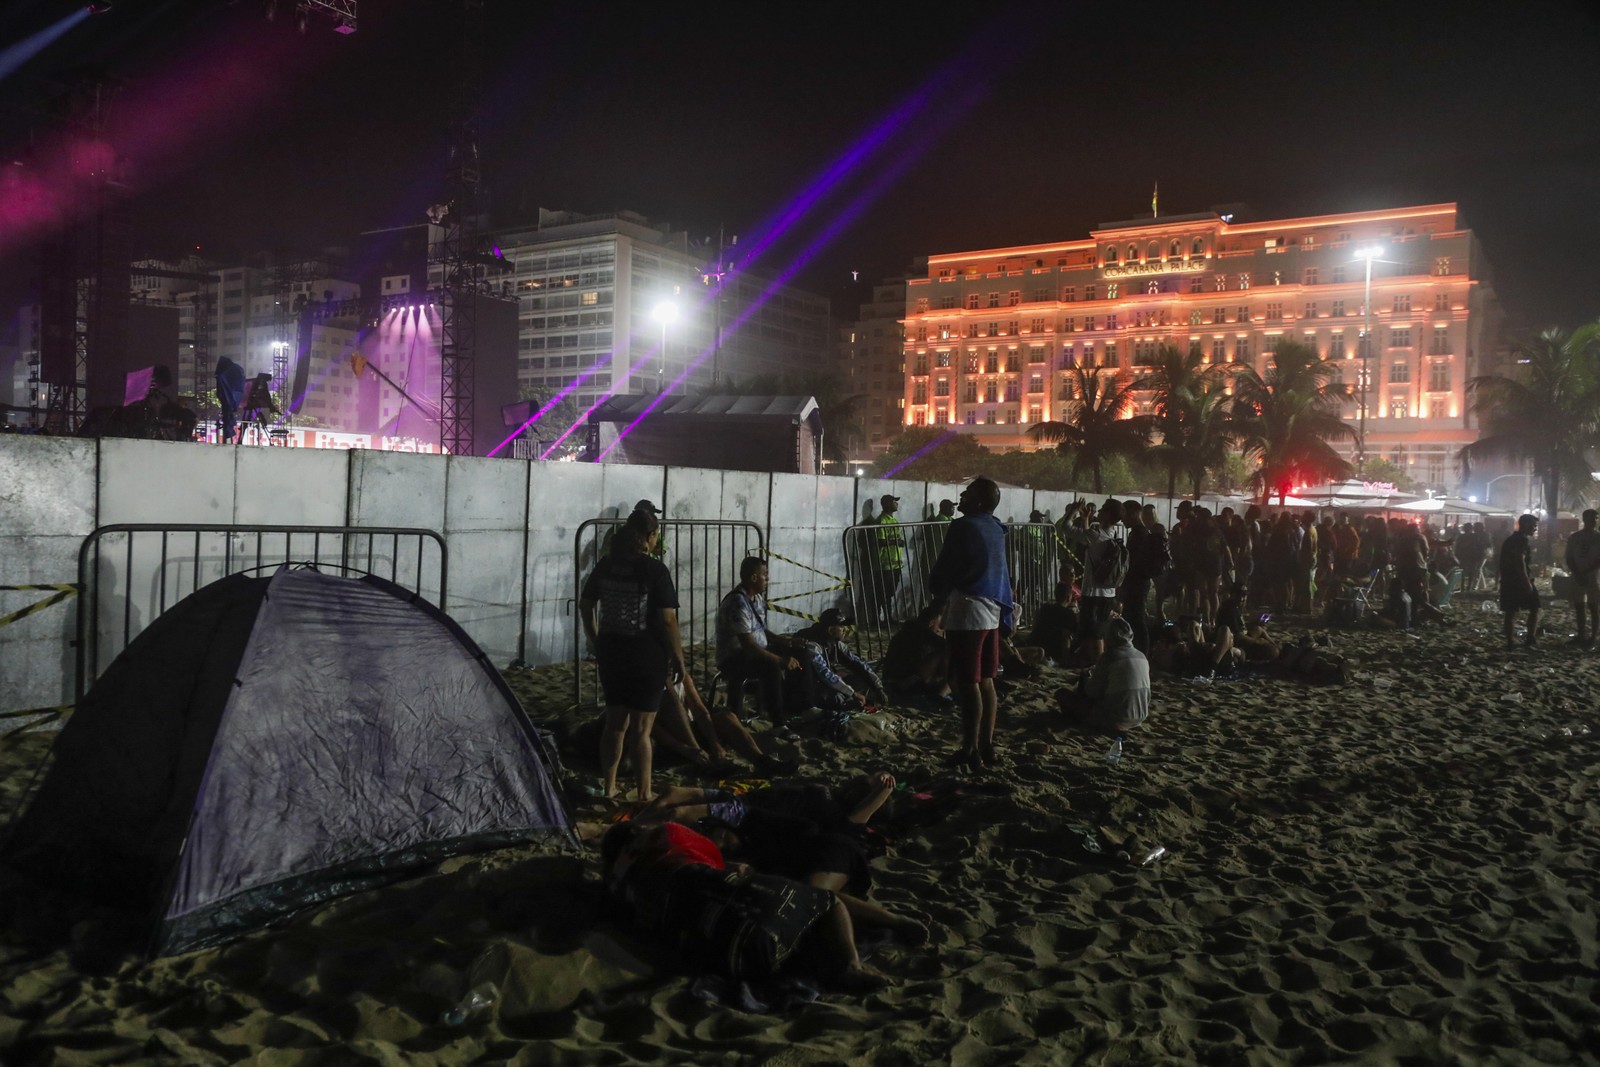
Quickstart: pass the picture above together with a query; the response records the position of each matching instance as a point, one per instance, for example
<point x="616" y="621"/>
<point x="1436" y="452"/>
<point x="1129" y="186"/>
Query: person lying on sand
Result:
<point x="854" y="804"/>
<point x="732" y="920"/>
<point x="1184" y="650"/>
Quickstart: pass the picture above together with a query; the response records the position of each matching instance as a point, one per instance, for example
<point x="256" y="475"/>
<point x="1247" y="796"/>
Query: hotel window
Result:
<point x="1399" y="372"/>
<point x="1338" y="275"/>
<point x="994" y="329"/>
<point x="1219" y="350"/>
<point x="972" y="330"/>
<point x="1310" y="311"/>
<point x="1439" y="377"/>
<point x="1195" y="316"/>
<point x="1111" y="322"/>
<point x="922" y="333"/>
<point x="1220" y="283"/>
<point x="1219" y="314"/>
<point x="1196" y="285"/>
<point x="941" y="358"/>
<point x="1441" y="301"/>
<point x="1244" y="281"/>
<point x="969" y="394"/>
<point x="1133" y="253"/>
<point x="990" y="392"/>
<point x="1241" y="350"/>
<point x="1243" y="315"/>
<point x="1088" y="355"/>
<point x="1041" y="295"/>
<point x="1336" y="346"/>
<point x="1198" y="248"/>
<point x="1069" y="294"/>
<point x="1274" y="312"/>
<point x="988" y="418"/>
<point x="1011" y="328"/>
<point x="1152" y="287"/>
<point x="972" y="418"/>
<point x="1337" y="310"/>
<point x="1036" y="383"/>
<point x="1399" y="407"/>
<point x="1036" y="354"/>
<point x="591" y="298"/>
<point x="1089" y="293"/>
<point x="1111" y="254"/>
<point x="920" y="418"/>
<point x="942" y="417"/>
<point x="972" y="301"/>
<point x="919" y="393"/>
<point x="1011" y="416"/>
<point x="1175" y="250"/>
<point x="922" y="305"/>
<point x="1013" y="392"/>
<point x="972" y="364"/>
<point x="1311" y="276"/>
<point x="1013" y="363"/>
<point x="1441" y="265"/>
<point x="1402" y="302"/>
<point x="991" y="364"/>
<point x="1440" y="344"/>
<point x="994" y="299"/>
<point x="1111" y="290"/>
<point x="1013" y="298"/>
<point x="1438" y="407"/>
<point x="921" y="366"/>
<point x="1035" y="413"/>
<point x="1036" y="326"/>
<point x="1400" y="337"/>
<point x="944" y="331"/>
<point x="1337" y="377"/>
<point x="1067" y="357"/>
<point x="1111" y="354"/>
<point x="1069" y="325"/>
<point x="1273" y="340"/>
<point x="1089" y="323"/>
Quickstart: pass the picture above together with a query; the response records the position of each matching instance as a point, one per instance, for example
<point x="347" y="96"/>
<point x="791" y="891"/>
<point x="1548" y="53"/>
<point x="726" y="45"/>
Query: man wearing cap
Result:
<point x="888" y="560"/>
<point x="947" y="511"/>
<point x="839" y="678"/>
<point x="659" y="551"/>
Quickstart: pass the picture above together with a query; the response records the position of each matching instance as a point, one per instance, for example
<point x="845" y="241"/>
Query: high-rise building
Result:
<point x="872" y="361"/>
<point x="616" y="304"/>
<point x="992" y="335"/>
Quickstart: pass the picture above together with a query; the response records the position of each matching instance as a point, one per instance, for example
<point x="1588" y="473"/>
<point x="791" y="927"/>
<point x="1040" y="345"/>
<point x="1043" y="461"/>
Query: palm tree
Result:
<point x="1548" y="414"/>
<point x="1210" y="433"/>
<point x="1178" y="381"/>
<point x="1096" y="425"/>
<point x="1286" y="418"/>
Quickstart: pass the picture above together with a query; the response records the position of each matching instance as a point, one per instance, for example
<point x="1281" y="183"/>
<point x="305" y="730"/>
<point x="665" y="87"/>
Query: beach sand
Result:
<point x="1398" y="870"/>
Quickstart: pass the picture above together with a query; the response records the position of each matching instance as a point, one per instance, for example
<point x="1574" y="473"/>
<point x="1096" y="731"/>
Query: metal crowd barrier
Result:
<point x="703" y="556"/>
<point x="883" y="596"/>
<point x="135" y="570"/>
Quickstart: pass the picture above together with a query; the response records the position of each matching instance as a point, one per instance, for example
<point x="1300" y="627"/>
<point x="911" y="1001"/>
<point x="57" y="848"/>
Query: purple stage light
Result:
<point x="919" y="453"/>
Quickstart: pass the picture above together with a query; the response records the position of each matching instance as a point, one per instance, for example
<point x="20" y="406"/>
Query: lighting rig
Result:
<point x="342" y="12"/>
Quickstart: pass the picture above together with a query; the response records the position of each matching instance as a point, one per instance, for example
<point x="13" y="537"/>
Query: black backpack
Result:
<point x="1109" y="566"/>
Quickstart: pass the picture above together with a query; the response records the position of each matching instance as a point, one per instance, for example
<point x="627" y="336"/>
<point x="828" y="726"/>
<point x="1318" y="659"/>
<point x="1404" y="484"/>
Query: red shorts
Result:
<point x="974" y="655"/>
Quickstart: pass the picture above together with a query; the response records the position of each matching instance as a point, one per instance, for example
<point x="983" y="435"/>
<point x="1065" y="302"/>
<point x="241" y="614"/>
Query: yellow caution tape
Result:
<point x="63" y="591"/>
<point x="806" y="566"/>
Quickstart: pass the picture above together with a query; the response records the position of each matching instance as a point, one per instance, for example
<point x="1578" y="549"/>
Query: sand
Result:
<point x="1399" y="870"/>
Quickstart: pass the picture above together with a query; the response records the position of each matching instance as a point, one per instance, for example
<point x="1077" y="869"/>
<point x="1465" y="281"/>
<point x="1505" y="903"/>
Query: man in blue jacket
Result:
<point x="973" y="587"/>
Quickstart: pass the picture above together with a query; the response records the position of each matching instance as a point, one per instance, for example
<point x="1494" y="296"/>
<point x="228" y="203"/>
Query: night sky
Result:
<point x="974" y="124"/>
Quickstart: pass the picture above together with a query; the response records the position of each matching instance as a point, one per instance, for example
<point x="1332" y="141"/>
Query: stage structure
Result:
<point x="731" y="433"/>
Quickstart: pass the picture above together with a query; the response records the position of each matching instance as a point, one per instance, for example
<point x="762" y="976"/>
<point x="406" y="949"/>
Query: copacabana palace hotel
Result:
<point x="991" y="335"/>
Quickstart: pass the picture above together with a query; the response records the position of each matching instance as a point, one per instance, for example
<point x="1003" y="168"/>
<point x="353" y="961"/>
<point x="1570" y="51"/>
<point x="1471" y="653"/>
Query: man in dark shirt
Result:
<point x="1517" y="592"/>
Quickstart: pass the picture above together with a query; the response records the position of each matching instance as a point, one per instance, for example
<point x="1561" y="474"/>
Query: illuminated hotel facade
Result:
<point x="992" y="336"/>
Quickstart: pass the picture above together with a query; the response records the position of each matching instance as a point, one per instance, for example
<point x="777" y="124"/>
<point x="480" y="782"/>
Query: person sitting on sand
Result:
<point x="1055" y="624"/>
<point x="745" y="647"/>
<point x="839" y="679"/>
<point x="1113" y="696"/>
<point x="704" y="735"/>
<point x="732" y="920"/>
<point x="914" y="663"/>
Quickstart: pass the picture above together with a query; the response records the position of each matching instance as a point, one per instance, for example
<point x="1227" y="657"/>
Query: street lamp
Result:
<point x="1488" y="486"/>
<point x="665" y="312"/>
<point x="1369" y="255"/>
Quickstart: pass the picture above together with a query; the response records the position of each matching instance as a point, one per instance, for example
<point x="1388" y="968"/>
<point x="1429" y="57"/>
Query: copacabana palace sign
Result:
<point x="1171" y="266"/>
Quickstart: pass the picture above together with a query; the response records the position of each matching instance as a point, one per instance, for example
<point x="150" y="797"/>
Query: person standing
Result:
<point x="972" y="587"/>
<point x="1583" y="563"/>
<point x="1517" y="591"/>
<point x="947" y="511"/>
<point x="629" y="609"/>
<point x="888" y="560"/>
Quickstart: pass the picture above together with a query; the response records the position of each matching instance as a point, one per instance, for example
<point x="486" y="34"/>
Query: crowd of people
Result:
<point x="751" y="886"/>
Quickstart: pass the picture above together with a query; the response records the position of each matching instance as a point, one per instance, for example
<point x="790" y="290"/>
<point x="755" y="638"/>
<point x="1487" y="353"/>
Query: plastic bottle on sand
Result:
<point x="1114" y="753"/>
<point x="478" y="1002"/>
